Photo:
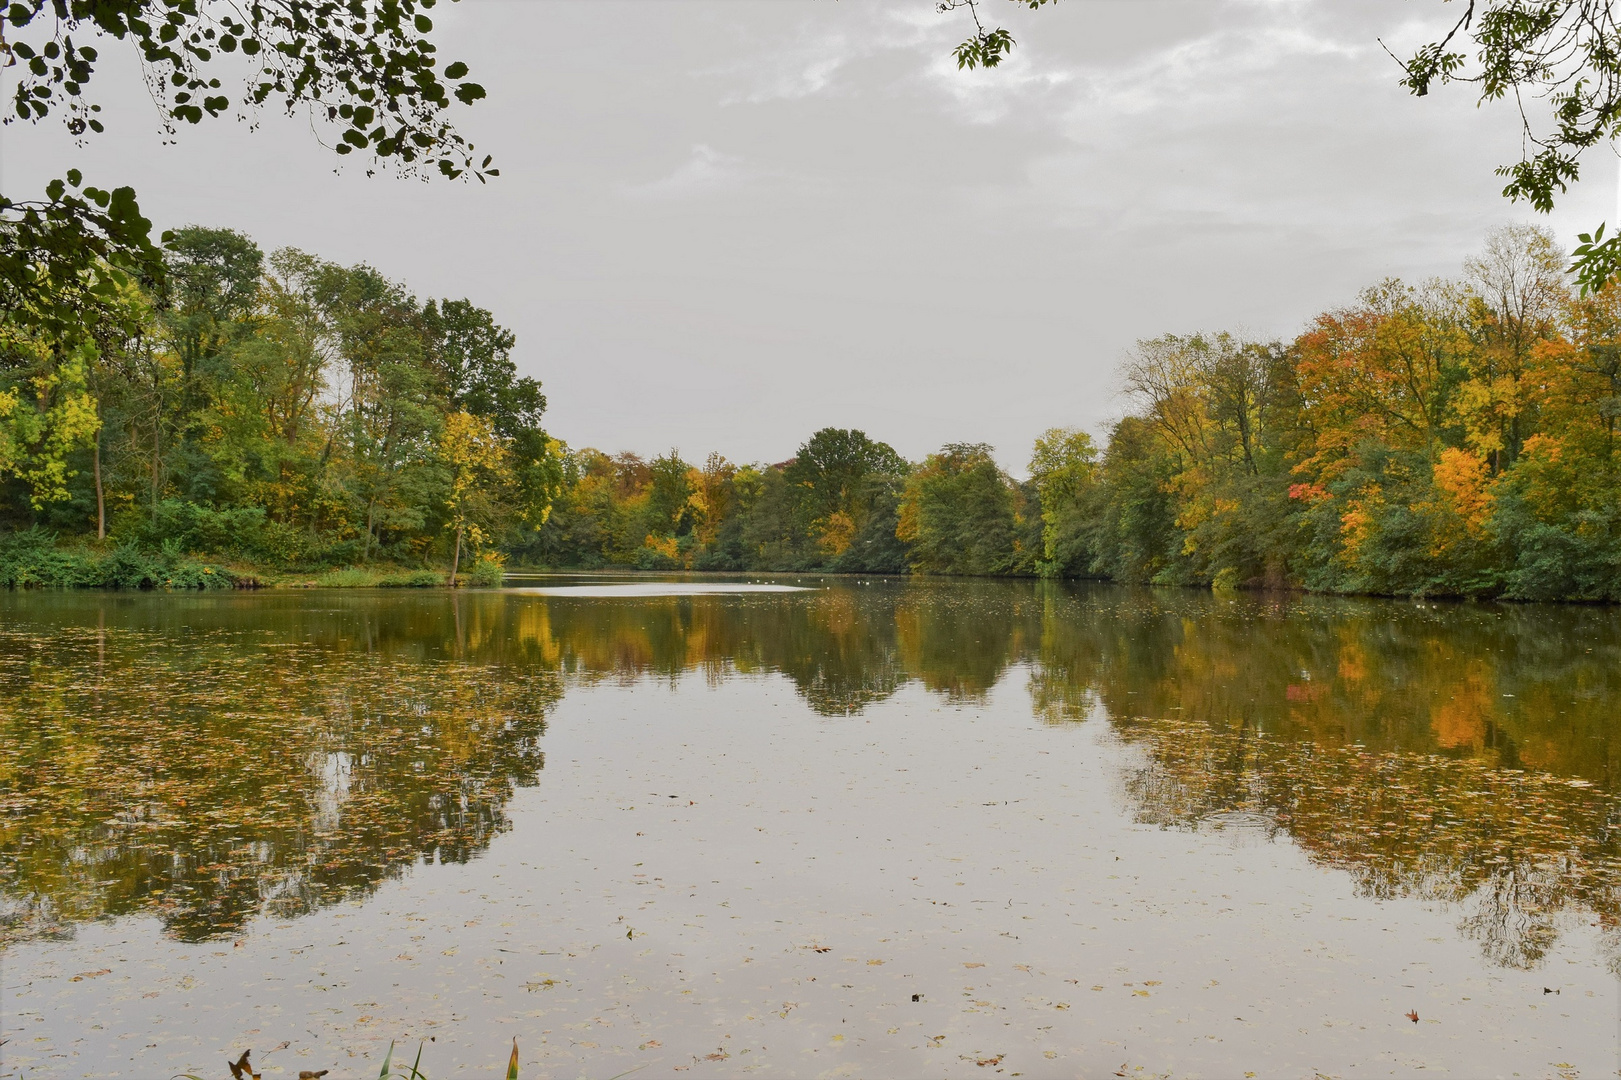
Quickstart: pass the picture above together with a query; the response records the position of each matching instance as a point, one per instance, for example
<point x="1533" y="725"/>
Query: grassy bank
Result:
<point x="35" y="560"/>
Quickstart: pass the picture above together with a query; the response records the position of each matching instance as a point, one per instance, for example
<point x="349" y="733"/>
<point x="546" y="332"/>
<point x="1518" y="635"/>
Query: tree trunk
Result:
<point x="157" y="454"/>
<point x="101" y="502"/>
<point x="456" y="557"/>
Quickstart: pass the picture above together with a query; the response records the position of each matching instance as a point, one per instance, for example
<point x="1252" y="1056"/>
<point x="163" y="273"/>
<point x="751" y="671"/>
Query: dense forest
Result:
<point x="283" y="412"/>
<point x="1452" y="439"/>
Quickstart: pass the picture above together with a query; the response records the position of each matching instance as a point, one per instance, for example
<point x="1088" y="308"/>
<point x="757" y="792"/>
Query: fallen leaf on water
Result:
<point x="1413" y="1015"/>
<point x="240" y="1069"/>
<point x="650" y="1044"/>
<point x="90" y="974"/>
<point x="875" y="963"/>
<point x="982" y="1062"/>
<point x="973" y="965"/>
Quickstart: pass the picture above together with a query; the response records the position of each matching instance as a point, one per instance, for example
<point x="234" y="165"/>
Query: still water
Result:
<point x="862" y="828"/>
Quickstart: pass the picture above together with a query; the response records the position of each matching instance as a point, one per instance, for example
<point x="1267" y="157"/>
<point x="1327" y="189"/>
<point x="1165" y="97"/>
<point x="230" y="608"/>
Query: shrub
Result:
<point x="486" y="573"/>
<point x="32" y="560"/>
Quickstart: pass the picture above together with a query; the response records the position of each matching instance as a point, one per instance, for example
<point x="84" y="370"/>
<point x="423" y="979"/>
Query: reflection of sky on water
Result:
<point x="333" y="771"/>
<point x="1148" y="800"/>
<point x="643" y="590"/>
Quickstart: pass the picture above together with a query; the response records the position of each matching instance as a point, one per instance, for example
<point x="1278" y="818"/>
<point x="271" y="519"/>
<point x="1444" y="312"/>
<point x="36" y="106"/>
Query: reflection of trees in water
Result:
<point x="184" y="761"/>
<point x="1427" y="752"/>
<point x="844" y="649"/>
<point x="211" y="777"/>
<point x="1516" y="848"/>
<point x="1379" y="736"/>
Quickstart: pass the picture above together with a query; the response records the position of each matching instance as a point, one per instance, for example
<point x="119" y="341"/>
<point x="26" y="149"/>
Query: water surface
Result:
<point x="867" y="828"/>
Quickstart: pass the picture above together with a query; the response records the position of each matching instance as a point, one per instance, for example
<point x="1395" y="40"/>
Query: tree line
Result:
<point x="1455" y="438"/>
<point x="282" y="410"/>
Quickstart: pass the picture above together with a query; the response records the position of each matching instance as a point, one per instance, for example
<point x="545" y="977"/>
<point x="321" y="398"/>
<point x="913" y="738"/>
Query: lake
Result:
<point x="850" y="828"/>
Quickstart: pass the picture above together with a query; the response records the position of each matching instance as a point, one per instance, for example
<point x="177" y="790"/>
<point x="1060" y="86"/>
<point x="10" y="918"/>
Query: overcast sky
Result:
<point x="720" y="226"/>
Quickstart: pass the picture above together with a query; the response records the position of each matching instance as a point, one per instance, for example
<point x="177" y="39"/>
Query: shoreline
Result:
<point x="124" y="568"/>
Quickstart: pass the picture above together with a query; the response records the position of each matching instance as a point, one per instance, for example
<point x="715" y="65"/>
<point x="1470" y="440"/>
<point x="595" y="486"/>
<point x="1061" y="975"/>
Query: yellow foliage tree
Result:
<point x="478" y="460"/>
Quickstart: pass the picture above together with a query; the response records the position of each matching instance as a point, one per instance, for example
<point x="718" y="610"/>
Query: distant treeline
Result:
<point x="1453" y="439"/>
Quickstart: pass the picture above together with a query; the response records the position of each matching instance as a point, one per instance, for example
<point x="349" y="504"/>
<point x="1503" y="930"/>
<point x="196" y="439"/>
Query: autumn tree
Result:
<point x="476" y="456"/>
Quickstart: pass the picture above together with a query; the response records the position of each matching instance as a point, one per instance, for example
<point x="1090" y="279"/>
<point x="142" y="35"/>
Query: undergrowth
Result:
<point x="32" y="560"/>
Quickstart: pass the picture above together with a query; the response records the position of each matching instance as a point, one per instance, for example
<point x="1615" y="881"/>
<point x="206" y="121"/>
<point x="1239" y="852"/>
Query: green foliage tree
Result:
<point x="287" y="411"/>
<point x="1063" y="467"/>
<point x="958" y="513"/>
<point x="842" y="481"/>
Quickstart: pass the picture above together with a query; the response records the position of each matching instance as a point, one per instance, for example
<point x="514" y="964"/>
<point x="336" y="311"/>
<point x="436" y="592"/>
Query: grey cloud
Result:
<point x="707" y="171"/>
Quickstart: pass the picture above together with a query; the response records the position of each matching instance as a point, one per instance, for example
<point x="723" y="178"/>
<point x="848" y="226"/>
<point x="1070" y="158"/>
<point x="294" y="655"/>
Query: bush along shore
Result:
<point x="35" y="560"/>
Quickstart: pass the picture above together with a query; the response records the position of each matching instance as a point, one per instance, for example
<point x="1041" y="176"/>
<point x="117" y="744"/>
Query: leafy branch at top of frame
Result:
<point x="1563" y="53"/>
<point x="71" y="252"/>
<point x="984" y="48"/>
<point x="367" y="69"/>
